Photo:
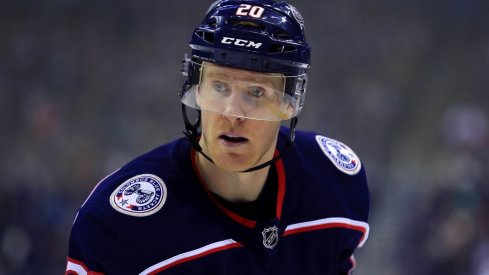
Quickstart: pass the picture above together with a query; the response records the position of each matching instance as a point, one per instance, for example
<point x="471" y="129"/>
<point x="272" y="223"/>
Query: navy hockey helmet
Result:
<point x="249" y="59"/>
<point x="259" y="39"/>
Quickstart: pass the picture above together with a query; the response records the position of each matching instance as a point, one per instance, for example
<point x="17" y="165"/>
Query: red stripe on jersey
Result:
<point x="281" y="185"/>
<point x="327" y="224"/>
<point x="191" y="255"/>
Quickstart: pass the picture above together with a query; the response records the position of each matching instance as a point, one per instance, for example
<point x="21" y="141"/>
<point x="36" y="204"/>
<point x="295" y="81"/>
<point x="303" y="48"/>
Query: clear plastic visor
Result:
<point x="241" y="93"/>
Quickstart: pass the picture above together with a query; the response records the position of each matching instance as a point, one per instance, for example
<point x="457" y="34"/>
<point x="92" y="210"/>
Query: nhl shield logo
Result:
<point x="341" y="155"/>
<point x="270" y="237"/>
<point x="139" y="196"/>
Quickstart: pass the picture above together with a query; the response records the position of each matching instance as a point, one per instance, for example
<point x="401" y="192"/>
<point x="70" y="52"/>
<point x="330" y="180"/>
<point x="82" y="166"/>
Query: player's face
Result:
<point x="233" y="141"/>
<point x="236" y="144"/>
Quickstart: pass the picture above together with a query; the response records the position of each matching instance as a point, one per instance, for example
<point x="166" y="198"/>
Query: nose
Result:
<point x="233" y="108"/>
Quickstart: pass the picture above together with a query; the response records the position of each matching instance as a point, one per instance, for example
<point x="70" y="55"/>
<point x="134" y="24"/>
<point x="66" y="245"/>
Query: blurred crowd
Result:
<point x="85" y="86"/>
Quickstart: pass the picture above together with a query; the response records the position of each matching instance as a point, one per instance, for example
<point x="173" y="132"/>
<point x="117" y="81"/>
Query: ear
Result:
<point x="290" y="110"/>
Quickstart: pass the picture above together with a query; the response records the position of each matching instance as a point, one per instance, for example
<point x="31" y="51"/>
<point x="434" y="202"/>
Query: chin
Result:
<point x="233" y="163"/>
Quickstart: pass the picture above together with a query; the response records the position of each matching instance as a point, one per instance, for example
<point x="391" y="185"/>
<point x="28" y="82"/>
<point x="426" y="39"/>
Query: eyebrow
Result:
<point x="240" y="71"/>
<point x="253" y="79"/>
<point x="213" y="73"/>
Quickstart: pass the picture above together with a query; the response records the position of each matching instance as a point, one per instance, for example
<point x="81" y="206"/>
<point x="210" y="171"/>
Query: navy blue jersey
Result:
<point x="156" y="216"/>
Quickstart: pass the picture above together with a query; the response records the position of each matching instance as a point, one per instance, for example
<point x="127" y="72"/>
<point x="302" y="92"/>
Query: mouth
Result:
<point x="232" y="139"/>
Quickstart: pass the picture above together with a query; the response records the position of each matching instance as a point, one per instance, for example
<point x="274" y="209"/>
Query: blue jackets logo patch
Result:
<point x="139" y="196"/>
<point x="341" y="155"/>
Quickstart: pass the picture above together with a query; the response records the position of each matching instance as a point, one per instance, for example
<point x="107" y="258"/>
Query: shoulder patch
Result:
<point x="139" y="196"/>
<point x="340" y="155"/>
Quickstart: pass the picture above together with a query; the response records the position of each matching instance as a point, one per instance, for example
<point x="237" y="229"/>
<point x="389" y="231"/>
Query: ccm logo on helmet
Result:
<point x="240" y="42"/>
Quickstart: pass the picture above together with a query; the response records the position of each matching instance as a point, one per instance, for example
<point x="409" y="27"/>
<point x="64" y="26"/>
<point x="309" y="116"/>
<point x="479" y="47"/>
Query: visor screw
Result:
<point x="254" y="59"/>
<point x="223" y="54"/>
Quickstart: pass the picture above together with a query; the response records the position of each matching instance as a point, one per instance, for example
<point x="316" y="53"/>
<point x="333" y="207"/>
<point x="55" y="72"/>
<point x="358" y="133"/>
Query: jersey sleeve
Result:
<point x="347" y="266"/>
<point x="347" y="259"/>
<point x="359" y="207"/>
<point x="82" y="246"/>
<point x="81" y="250"/>
<point x="338" y="169"/>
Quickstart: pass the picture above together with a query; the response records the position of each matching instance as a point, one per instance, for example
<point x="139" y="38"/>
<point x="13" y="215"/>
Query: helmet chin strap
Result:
<point x="191" y="132"/>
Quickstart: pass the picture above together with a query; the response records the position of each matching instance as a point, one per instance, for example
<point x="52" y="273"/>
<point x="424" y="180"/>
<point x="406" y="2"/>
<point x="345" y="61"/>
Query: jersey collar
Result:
<point x="234" y="216"/>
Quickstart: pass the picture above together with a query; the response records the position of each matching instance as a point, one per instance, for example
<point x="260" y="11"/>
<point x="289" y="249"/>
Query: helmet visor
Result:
<point x="241" y="93"/>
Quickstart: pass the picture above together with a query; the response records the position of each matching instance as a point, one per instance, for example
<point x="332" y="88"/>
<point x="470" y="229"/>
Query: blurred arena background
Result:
<point x="85" y="86"/>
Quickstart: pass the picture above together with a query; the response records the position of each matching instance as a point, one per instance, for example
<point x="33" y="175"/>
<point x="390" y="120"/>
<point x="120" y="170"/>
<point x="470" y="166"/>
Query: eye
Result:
<point x="256" y="91"/>
<point x="220" y="86"/>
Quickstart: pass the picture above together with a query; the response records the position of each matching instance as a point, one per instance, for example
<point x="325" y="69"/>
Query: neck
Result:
<point x="232" y="186"/>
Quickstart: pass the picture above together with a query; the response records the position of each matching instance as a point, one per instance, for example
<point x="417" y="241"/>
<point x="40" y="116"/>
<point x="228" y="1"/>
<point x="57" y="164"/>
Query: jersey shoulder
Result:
<point x="138" y="188"/>
<point x="317" y="149"/>
<point x="334" y="181"/>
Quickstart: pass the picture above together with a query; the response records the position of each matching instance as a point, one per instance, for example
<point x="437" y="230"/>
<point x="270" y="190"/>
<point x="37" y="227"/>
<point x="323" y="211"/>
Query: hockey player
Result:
<point x="240" y="194"/>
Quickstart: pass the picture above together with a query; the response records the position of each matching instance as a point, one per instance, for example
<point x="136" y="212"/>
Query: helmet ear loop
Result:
<point x="191" y="129"/>
<point x="293" y="124"/>
<point x="300" y="88"/>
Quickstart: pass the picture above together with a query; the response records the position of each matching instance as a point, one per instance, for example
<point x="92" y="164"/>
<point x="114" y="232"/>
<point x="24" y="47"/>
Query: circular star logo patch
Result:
<point x="139" y="196"/>
<point x="341" y="155"/>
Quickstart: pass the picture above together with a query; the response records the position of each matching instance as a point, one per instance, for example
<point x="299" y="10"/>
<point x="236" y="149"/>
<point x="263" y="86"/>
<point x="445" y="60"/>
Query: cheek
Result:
<point x="208" y="123"/>
<point x="267" y="134"/>
<point x="205" y="126"/>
